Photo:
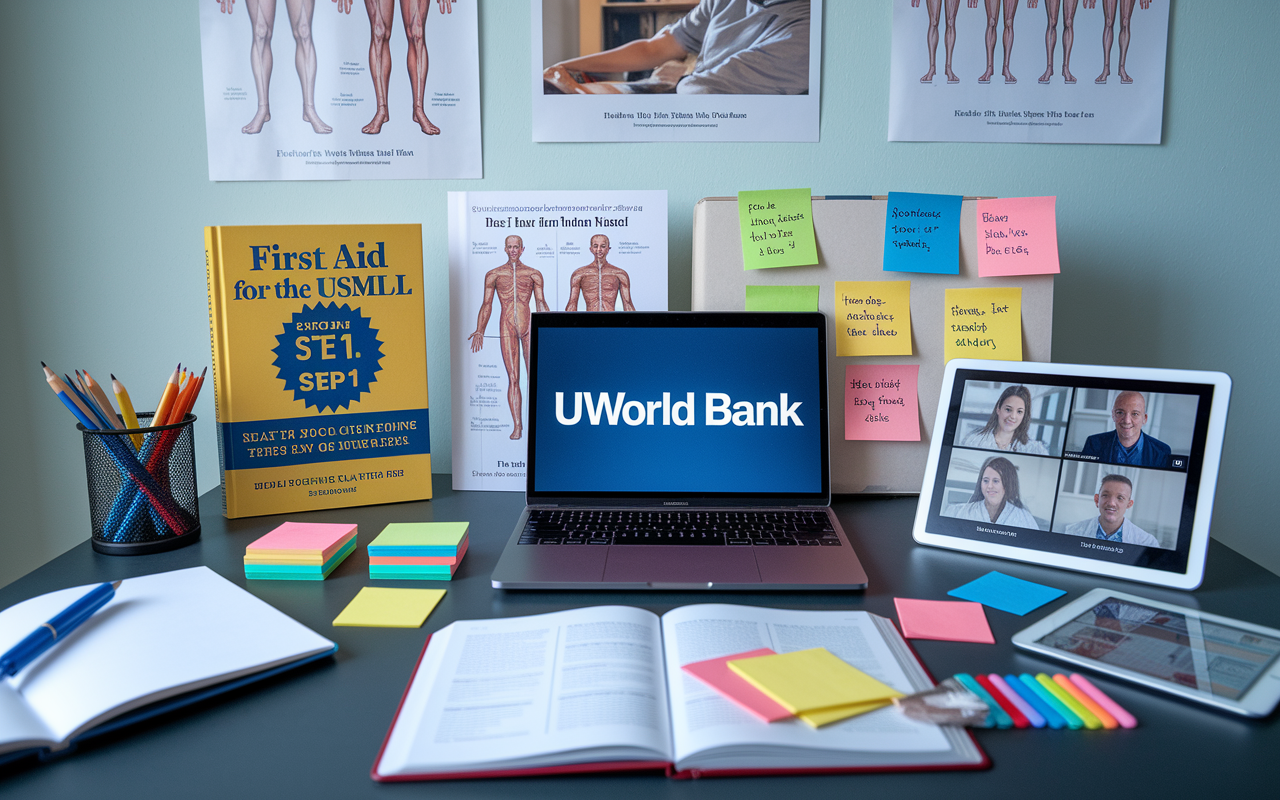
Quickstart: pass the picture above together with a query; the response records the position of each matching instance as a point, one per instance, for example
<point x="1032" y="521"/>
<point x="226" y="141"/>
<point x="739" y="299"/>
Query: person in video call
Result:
<point x="1006" y="428"/>
<point x="1127" y="444"/>
<point x="995" y="497"/>
<point x="743" y="47"/>
<point x="1114" y="498"/>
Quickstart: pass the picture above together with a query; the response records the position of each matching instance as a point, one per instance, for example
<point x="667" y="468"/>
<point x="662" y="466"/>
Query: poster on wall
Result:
<point x="674" y="71"/>
<point x="341" y="90"/>
<point x="1085" y="71"/>
<point x="515" y="253"/>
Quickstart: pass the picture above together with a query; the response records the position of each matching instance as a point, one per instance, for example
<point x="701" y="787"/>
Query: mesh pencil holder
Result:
<point x="142" y="500"/>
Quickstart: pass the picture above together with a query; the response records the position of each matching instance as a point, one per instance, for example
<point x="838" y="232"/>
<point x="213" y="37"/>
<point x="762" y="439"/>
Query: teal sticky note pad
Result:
<point x="922" y="233"/>
<point x="1007" y="593"/>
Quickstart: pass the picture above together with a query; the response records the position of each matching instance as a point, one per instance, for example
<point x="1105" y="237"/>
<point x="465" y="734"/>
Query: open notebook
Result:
<point x="163" y="636"/>
<point x="601" y="689"/>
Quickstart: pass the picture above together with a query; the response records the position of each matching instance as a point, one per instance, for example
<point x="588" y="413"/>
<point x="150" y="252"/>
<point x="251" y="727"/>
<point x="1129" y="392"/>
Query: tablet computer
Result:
<point x="1109" y="470"/>
<point x="1207" y="658"/>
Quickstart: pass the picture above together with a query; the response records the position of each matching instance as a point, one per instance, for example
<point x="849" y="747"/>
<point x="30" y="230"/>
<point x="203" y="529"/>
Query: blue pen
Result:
<point x="25" y="651"/>
<point x="1052" y="717"/>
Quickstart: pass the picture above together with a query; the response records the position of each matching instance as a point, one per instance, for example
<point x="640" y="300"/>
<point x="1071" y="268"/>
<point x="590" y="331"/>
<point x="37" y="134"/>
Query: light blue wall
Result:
<point x="1168" y="252"/>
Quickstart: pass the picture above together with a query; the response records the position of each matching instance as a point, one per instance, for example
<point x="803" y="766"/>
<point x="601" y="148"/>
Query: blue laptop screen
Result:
<point x="723" y="410"/>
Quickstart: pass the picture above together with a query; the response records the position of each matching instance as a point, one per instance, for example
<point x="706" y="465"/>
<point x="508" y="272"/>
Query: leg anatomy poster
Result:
<point x="515" y="253"/>
<point x="698" y="71"/>
<point x="341" y="89"/>
<point x="1089" y="71"/>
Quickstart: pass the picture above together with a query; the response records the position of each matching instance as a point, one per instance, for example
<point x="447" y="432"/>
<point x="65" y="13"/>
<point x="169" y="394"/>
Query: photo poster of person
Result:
<point x="515" y="253"/>
<point x="1066" y="71"/>
<point x="699" y="71"/>
<point x="341" y="89"/>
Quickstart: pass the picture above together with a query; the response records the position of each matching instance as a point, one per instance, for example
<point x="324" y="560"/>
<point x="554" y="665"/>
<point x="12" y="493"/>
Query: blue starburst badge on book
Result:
<point x="328" y="355"/>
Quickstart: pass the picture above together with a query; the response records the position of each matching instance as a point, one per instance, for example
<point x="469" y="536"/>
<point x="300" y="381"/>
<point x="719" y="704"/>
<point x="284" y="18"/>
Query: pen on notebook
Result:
<point x="126" y="410"/>
<point x="43" y="637"/>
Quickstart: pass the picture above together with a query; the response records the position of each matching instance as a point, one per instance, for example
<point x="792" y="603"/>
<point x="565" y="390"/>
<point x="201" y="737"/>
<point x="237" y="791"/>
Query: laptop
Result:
<point x="678" y="451"/>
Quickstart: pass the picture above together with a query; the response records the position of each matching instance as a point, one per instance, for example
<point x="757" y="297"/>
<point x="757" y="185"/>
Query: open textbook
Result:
<point x="601" y="688"/>
<point x="174" y="636"/>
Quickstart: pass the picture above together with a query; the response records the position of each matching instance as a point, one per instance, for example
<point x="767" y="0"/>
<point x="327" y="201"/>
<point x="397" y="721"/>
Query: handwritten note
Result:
<point x="880" y="402"/>
<point x="1017" y="236"/>
<point x="922" y="233"/>
<point x="873" y="318"/>
<point x="777" y="228"/>
<point x="983" y="323"/>
<point x="782" y="298"/>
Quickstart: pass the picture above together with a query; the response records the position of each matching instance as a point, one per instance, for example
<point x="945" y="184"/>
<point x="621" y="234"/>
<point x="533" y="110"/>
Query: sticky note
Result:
<point x="873" y="318"/>
<point x="1017" y="236"/>
<point x="826" y="716"/>
<point x="777" y="228"/>
<point x="715" y="673"/>
<point x="880" y="402"/>
<point x="948" y="620"/>
<point x="782" y="298"/>
<point x="983" y="323"/>
<point x="316" y="539"/>
<point x="1007" y="593"/>
<point x="379" y="607"/>
<point x="922" y="233"/>
<point x="421" y="534"/>
<point x="814" y="680"/>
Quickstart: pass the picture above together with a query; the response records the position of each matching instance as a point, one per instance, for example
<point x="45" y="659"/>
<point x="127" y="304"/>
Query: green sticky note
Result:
<point x="777" y="228"/>
<point x="782" y="298"/>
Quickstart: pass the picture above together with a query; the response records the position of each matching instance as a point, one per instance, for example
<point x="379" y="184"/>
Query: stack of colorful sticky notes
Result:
<point x="814" y="685"/>
<point x="299" y="551"/>
<point x="418" y="550"/>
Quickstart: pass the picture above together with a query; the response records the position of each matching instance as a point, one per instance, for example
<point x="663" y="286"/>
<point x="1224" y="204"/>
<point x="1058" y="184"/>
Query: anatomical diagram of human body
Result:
<point x="600" y="283"/>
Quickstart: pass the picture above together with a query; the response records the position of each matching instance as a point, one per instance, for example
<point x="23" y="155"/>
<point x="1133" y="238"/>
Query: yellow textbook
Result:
<point x="319" y="365"/>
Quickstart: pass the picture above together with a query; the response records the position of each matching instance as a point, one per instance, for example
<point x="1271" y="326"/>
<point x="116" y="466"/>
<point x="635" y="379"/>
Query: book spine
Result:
<point x="217" y="342"/>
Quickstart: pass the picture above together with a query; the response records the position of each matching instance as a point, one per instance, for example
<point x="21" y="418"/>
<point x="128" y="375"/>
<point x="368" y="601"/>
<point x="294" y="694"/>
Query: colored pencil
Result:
<point x="95" y="413"/>
<point x="166" y="399"/>
<point x="104" y="402"/>
<point x="64" y="394"/>
<point x="126" y="410"/>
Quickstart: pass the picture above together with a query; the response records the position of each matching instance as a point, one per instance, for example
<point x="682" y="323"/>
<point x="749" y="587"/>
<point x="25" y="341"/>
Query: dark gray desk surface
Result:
<point x="316" y="733"/>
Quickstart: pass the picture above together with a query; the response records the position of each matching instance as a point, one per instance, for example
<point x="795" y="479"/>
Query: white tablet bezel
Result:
<point x="1259" y="701"/>
<point x="1194" y="574"/>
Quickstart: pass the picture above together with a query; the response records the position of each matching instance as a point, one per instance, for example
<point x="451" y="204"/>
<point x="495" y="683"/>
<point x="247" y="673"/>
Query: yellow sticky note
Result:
<point x="382" y="607"/>
<point x="983" y="323"/>
<point x="809" y="681"/>
<point x="873" y="318"/>
<point x="826" y="716"/>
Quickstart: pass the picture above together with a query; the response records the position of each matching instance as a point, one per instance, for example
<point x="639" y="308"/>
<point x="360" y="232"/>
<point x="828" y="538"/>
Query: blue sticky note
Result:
<point x="922" y="233"/>
<point x="1007" y="593"/>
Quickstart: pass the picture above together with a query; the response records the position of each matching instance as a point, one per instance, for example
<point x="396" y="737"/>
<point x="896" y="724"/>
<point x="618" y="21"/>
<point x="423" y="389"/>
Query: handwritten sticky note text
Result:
<point x="922" y="233"/>
<point x="777" y="228"/>
<point x="881" y="403"/>
<point x="873" y="318"/>
<point x="983" y="323"/>
<point x="782" y="298"/>
<point x="1017" y="236"/>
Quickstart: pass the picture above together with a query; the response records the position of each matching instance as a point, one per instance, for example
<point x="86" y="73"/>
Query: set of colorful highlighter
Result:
<point x="1038" y="701"/>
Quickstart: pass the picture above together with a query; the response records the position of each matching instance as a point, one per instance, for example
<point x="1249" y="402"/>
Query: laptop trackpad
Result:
<point x="680" y="564"/>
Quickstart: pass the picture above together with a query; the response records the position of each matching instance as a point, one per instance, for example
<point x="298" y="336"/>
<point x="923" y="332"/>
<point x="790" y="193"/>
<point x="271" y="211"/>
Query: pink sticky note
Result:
<point x="715" y="673"/>
<point x="1017" y="236"/>
<point x="948" y="620"/>
<point x="307" y="537"/>
<point x="880" y="402"/>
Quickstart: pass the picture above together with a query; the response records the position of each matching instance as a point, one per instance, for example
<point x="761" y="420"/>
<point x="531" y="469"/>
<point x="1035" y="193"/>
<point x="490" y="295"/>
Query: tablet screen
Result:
<point x="1106" y="469"/>
<point x="1210" y="657"/>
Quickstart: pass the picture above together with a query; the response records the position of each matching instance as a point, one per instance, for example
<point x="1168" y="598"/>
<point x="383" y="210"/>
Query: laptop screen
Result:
<point x="671" y="407"/>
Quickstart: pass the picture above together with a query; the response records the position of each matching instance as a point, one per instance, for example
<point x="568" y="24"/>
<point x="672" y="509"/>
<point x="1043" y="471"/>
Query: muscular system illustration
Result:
<point x="993" y="16"/>
<point x="935" y="11"/>
<point x="1108" y="27"/>
<point x="262" y="16"/>
<point x="514" y="283"/>
<point x="1051" y="9"/>
<point x="414" y="15"/>
<point x="600" y="282"/>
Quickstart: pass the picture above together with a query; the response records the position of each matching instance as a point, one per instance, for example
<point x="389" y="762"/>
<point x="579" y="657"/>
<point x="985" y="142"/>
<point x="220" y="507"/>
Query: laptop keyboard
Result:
<point x="800" y="528"/>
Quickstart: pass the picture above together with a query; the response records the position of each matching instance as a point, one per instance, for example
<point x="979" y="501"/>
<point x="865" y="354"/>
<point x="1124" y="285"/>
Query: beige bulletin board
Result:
<point x="850" y="234"/>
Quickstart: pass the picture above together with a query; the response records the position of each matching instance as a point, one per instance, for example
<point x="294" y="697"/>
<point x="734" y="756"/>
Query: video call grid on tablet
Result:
<point x="1101" y="468"/>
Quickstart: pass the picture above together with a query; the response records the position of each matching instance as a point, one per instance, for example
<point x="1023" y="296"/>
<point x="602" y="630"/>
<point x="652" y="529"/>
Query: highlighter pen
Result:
<point x="1109" y="722"/>
<point x="1073" y="722"/>
<point x="998" y="716"/>
<point x="1090" y="721"/>
<point x="1030" y="713"/>
<point x="1051" y="717"/>
<point x="1019" y="719"/>
<point x="43" y="637"/>
<point x="1123" y="717"/>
